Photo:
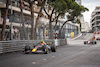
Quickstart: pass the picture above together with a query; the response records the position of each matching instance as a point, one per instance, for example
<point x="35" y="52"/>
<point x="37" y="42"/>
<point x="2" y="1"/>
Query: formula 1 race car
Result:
<point x="38" y="48"/>
<point x="90" y="42"/>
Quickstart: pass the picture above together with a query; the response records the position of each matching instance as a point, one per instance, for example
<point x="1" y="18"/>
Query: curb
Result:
<point x="77" y="36"/>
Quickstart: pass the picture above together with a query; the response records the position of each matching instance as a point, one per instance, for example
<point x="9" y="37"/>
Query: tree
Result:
<point x="74" y="11"/>
<point x="22" y="19"/>
<point x="50" y="22"/>
<point x="34" y="27"/>
<point x="60" y="7"/>
<point x="32" y="19"/>
<point x="42" y="3"/>
<point x="55" y="6"/>
<point x="4" y="19"/>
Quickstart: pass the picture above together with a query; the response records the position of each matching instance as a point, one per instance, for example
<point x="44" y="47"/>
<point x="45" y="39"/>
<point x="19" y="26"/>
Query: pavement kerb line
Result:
<point x="77" y="37"/>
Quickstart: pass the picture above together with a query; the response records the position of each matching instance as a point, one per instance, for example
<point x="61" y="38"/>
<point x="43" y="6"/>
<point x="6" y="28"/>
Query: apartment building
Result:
<point x="43" y="27"/>
<point x="95" y="19"/>
<point x="14" y="17"/>
<point x="68" y="28"/>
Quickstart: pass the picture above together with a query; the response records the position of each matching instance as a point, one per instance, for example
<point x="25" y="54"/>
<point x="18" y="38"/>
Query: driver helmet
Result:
<point x="41" y="41"/>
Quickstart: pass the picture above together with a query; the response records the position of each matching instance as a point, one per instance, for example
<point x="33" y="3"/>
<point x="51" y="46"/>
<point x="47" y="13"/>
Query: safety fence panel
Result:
<point x="15" y="45"/>
<point x="1" y="48"/>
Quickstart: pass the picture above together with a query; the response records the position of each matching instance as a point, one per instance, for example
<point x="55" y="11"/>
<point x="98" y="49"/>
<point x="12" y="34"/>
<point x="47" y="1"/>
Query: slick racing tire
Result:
<point x="85" y="42"/>
<point x="53" y="48"/>
<point x="45" y="49"/>
<point x="95" y="42"/>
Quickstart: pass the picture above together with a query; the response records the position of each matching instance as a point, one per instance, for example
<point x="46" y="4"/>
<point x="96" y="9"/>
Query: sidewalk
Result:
<point x="73" y="41"/>
<point x="75" y="37"/>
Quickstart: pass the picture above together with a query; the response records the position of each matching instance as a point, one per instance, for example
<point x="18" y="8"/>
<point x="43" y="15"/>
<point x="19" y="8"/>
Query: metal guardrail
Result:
<point x="1" y="48"/>
<point x="17" y="45"/>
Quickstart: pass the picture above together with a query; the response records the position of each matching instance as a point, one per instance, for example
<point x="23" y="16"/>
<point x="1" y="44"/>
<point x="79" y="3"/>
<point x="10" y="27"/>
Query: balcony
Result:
<point x="16" y="24"/>
<point x="16" y="19"/>
<point x="95" y="16"/>
<point x="96" y="25"/>
<point x="2" y="5"/>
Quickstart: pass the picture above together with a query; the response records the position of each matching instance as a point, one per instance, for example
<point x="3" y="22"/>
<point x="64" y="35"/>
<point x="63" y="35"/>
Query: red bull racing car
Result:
<point x="38" y="48"/>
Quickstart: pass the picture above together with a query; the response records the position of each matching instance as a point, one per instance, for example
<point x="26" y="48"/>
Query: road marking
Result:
<point x="44" y="59"/>
<point x="33" y="62"/>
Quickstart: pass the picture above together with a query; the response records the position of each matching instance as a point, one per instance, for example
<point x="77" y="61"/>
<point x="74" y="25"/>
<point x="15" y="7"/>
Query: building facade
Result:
<point x="84" y="25"/>
<point x="14" y="19"/>
<point x="14" y="25"/>
<point x="95" y="19"/>
<point x="69" y="28"/>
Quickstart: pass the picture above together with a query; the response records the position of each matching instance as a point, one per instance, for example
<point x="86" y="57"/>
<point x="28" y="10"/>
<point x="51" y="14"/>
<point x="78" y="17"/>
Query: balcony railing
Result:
<point x="16" y="19"/>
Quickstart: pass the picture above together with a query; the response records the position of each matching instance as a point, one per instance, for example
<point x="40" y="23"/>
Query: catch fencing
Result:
<point x="18" y="45"/>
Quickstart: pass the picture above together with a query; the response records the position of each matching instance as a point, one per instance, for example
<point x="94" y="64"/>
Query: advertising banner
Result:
<point x="69" y="35"/>
<point x="72" y="34"/>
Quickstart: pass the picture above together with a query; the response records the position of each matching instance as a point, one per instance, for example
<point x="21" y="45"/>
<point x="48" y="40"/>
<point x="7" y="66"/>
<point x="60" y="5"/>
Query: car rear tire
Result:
<point x="95" y="42"/>
<point x="53" y="48"/>
<point x="85" y="42"/>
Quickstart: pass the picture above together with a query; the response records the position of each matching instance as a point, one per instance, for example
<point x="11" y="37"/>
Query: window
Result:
<point x="98" y="18"/>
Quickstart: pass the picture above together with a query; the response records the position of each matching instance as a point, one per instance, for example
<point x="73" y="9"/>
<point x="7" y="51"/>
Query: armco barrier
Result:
<point x="1" y="48"/>
<point x="17" y="45"/>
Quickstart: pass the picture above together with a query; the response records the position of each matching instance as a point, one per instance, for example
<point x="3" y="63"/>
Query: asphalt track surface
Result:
<point x="72" y="55"/>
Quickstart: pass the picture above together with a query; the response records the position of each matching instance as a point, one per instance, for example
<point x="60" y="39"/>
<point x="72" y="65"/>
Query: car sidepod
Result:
<point x="34" y="50"/>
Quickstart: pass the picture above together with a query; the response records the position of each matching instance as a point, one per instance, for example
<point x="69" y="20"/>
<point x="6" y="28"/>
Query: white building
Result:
<point x="95" y="19"/>
<point x="84" y="25"/>
<point x="87" y="27"/>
